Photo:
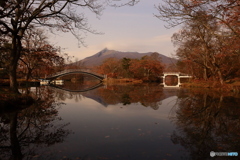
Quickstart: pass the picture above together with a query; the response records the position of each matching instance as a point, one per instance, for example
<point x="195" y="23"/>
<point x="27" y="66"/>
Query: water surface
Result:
<point x="122" y="122"/>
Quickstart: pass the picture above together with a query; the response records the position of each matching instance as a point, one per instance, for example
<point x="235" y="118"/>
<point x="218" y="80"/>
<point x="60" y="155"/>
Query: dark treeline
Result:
<point x="208" y="43"/>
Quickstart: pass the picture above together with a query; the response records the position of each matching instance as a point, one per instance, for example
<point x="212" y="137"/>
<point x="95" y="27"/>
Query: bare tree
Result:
<point x="176" y="12"/>
<point x="63" y="15"/>
<point x="208" y="24"/>
<point x="38" y="55"/>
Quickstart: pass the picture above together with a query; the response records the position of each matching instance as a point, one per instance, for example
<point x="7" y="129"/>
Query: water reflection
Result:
<point x="25" y="133"/>
<point x="121" y="122"/>
<point x="148" y="95"/>
<point x="207" y="122"/>
<point x="88" y="88"/>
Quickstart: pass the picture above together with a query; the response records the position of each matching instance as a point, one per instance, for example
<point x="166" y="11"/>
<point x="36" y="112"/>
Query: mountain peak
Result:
<point x="102" y="52"/>
<point x="99" y="57"/>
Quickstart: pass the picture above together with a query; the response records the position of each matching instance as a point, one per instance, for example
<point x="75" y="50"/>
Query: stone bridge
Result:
<point x="178" y="74"/>
<point x="72" y="71"/>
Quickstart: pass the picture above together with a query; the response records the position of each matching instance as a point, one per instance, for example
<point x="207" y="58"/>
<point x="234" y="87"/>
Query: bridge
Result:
<point x="178" y="74"/>
<point x="72" y="71"/>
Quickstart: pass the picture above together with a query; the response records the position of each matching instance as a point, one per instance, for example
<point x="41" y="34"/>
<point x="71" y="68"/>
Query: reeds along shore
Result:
<point x="229" y="86"/>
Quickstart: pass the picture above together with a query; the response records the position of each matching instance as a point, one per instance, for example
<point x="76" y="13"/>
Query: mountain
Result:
<point x="99" y="57"/>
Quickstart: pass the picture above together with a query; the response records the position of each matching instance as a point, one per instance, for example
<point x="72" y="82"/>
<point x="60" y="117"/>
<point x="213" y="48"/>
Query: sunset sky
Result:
<point x="129" y="28"/>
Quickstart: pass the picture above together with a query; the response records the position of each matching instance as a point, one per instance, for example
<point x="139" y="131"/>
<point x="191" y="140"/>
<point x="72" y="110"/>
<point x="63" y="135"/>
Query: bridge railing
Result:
<point x="171" y="72"/>
<point x="174" y="73"/>
<point x="73" y="70"/>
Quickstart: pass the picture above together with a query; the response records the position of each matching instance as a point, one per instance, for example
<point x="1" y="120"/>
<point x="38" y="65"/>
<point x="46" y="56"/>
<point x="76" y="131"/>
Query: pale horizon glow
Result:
<point x="133" y="29"/>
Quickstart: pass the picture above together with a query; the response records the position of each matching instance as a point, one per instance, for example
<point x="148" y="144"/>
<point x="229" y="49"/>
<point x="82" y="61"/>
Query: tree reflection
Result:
<point x="207" y="122"/>
<point x="23" y="133"/>
<point x="149" y="95"/>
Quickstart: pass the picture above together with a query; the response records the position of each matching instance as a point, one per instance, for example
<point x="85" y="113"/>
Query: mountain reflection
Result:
<point x="25" y="133"/>
<point x="207" y="122"/>
<point x="149" y="95"/>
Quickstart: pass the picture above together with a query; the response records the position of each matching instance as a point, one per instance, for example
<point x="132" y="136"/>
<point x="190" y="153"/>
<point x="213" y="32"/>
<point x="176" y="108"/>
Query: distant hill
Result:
<point x="98" y="58"/>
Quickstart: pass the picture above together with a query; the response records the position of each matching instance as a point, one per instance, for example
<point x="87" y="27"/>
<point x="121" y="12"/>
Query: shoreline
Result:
<point x="231" y="86"/>
<point x="228" y="86"/>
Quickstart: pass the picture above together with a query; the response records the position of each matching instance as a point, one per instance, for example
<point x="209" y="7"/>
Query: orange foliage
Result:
<point x="147" y="68"/>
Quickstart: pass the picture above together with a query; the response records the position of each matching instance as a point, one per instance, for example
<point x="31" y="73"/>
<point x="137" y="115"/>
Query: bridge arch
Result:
<point x="67" y="72"/>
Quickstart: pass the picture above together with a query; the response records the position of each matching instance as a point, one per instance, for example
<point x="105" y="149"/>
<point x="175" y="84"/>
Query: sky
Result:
<point x="128" y="28"/>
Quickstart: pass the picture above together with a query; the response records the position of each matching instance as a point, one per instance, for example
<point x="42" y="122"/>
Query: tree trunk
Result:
<point x="15" y="55"/>
<point x="205" y="73"/>
<point x="16" y="149"/>
<point x="220" y="77"/>
<point x="13" y="78"/>
<point x="217" y="69"/>
<point x="29" y="73"/>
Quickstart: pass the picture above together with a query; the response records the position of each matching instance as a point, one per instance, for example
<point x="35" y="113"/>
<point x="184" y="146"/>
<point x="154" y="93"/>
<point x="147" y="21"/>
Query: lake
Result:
<point x="121" y="122"/>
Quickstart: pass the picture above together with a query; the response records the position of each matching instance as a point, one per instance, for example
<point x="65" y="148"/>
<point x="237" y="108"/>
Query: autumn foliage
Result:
<point x="39" y="58"/>
<point x="208" y="43"/>
<point x="148" y="68"/>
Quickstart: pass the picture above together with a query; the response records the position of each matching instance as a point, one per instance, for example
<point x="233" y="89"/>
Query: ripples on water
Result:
<point x="137" y="122"/>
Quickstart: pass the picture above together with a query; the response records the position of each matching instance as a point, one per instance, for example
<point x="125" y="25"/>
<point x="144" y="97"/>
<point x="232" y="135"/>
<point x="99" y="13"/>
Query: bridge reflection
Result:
<point x="75" y="91"/>
<point x="150" y="95"/>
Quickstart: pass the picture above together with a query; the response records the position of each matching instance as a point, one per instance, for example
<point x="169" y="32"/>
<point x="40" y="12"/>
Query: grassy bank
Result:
<point x="228" y="86"/>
